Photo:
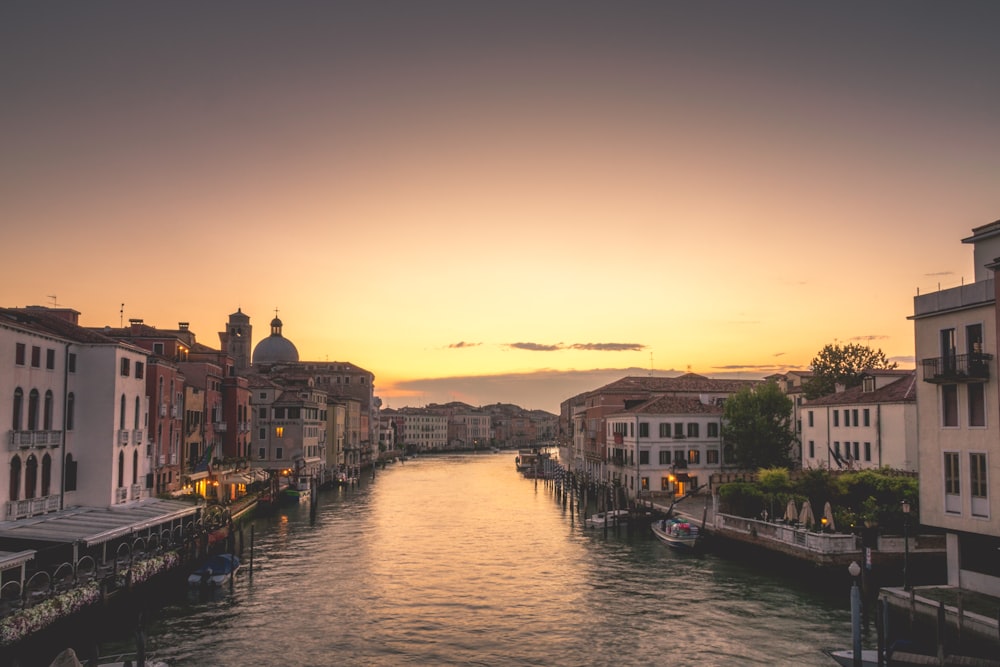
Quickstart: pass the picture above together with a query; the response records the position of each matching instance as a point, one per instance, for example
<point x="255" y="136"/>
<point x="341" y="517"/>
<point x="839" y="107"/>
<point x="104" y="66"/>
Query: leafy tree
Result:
<point x="757" y="423"/>
<point x="843" y="364"/>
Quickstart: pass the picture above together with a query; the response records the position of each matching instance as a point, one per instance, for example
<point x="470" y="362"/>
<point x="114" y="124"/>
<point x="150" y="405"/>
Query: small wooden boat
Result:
<point x="216" y="571"/>
<point x="677" y="534"/>
<point x="611" y="518"/>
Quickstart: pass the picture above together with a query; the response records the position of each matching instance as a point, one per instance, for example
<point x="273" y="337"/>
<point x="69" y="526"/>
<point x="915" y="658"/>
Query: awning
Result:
<point x="682" y="477"/>
<point x="96" y="525"/>
<point x="11" y="559"/>
<point x="237" y="478"/>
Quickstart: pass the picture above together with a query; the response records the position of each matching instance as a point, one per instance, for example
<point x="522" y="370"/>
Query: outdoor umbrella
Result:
<point x="806" y="517"/>
<point x="828" y="515"/>
<point x="791" y="511"/>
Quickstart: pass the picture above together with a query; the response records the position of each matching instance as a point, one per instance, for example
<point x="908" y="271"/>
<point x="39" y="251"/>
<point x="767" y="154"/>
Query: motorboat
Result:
<point x="216" y="571"/>
<point x="677" y="534"/>
<point x="611" y="518"/>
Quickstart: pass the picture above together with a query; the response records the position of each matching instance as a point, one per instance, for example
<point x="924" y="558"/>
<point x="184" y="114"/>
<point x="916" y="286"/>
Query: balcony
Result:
<point x="26" y="439"/>
<point x="123" y="437"/>
<point x="22" y="509"/>
<point x="136" y="491"/>
<point x="163" y="409"/>
<point x="137" y="436"/>
<point x="162" y="459"/>
<point x="957" y="368"/>
<point x="221" y="427"/>
<point x="121" y="495"/>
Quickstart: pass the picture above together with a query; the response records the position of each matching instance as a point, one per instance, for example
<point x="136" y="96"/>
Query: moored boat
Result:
<point x="216" y="571"/>
<point x="611" y="518"/>
<point x="677" y="534"/>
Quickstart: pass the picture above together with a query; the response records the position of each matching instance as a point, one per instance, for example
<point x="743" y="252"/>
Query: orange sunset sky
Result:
<point x="506" y="201"/>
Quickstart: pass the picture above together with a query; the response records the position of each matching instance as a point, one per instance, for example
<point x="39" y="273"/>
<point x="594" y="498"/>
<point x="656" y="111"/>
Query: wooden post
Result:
<point x="940" y="632"/>
<point x="251" y="550"/>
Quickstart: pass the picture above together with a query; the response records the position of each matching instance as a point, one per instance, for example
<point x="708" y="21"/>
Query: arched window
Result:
<point x="70" y="471"/>
<point x="135" y="467"/>
<point x="46" y="475"/>
<point x="135" y="419"/>
<point x="159" y="394"/>
<point x="70" y="405"/>
<point x="47" y="411"/>
<point x="30" y="476"/>
<point x="15" y="477"/>
<point x="121" y="414"/>
<point x="18" y="408"/>
<point x="121" y="469"/>
<point x="33" y="410"/>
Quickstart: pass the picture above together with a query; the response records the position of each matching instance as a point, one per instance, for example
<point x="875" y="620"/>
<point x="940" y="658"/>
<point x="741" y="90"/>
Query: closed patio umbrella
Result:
<point x="806" y="517"/>
<point x="828" y="515"/>
<point x="791" y="512"/>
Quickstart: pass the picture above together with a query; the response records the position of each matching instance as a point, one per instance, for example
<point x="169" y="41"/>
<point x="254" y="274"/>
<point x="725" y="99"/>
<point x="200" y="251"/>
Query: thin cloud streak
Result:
<point x="594" y="347"/>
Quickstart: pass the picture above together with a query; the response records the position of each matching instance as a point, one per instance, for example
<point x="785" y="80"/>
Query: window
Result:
<point x="712" y="456"/>
<point x="158" y="348"/>
<point x="664" y="430"/>
<point x="50" y="359"/>
<point x="126" y="365"/>
<point x="121" y="469"/>
<point x="72" y="362"/>
<point x="693" y="430"/>
<point x="46" y="475"/>
<point x="836" y="417"/>
<point x="278" y="453"/>
<point x="18" y="409"/>
<point x="713" y="430"/>
<point x="867" y="416"/>
<point x="679" y="459"/>
<point x="664" y="457"/>
<point x="811" y="419"/>
<point x="977" y="484"/>
<point x="836" y="449"/>
<point x="121" y="415"/>
<point x="645" y="483"/>
<point x="868" y="451"/>
<point x="138" y="409"/>
<point x="279" y="432"/>
<point x="948" y="349"/>
<point x="139" y="370"/>
<point x="678" y="430"/>
<point x="949" y="405"/>
<point x="263" y="395"/>
<point x="977" y="404"/>
<point x="854" y="416"/>
<point x="47" y="411"/>
<point x="261" y="453"/>
<point x="20" y="353"/>
<point x="974" y="339"/>
<point x="36" y="356"/>
<point x="70" y="410"/>
<point x="33" y="398"/>
<point x="135" y="467"/>
<point x="694" y="456"/>
<point x="664" y="483"/>
<point x="15" y="477"/>
<point x="643" y="457"/>
<point x="70" y="473"/>
<point x="857" y="451"/>
<point x="812" y="449"/>
<point x="643" y="429"/>
<point x="951" y="474"/>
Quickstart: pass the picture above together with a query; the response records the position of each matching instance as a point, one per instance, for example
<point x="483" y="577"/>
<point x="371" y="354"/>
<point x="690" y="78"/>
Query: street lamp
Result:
<point x="906" y="544"/>
<point x="855" y="570"/>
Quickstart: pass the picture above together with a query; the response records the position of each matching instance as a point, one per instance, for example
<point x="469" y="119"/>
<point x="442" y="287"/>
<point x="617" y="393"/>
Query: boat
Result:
<point x="298" y="490"/>
<point x="216" y="571"/>
<point x="611" y="518"/>
<point x="845" y="657"/>
<point x="677" y="534"/>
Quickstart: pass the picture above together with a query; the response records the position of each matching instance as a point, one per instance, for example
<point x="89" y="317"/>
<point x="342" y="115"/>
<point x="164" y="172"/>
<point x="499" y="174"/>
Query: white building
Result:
<point x="678" y="440"/>
<point x="958" y="407"/>
<point x="873" y="425"/>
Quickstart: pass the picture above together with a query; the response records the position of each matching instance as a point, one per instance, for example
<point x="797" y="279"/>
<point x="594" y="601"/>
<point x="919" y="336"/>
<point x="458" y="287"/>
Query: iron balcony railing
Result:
<point x="973" y="367"/>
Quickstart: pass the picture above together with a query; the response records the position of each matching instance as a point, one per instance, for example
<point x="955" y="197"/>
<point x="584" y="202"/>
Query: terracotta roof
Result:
<point x="689" y="382"/>
<point x="674" y="405"/>
<point x="39" y="320"/>
<point x="903" y="390"/>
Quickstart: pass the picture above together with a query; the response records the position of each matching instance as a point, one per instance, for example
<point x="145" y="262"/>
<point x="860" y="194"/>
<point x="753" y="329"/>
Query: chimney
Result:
<point x="136" y="324"/>
<point x="183" y="326"/>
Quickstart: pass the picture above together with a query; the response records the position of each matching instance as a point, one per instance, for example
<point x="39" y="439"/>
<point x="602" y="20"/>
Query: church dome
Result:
<point x="275" y="349"/>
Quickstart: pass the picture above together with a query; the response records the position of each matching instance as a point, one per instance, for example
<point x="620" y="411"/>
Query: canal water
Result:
<point x="458" y="560"/>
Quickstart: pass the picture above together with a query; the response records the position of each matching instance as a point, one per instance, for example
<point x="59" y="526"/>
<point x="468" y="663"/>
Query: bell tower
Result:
<point x="236" y="339"/>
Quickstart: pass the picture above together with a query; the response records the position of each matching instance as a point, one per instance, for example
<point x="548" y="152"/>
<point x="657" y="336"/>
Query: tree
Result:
<point x="757" y="423"/>
<point x="842" y="364"/>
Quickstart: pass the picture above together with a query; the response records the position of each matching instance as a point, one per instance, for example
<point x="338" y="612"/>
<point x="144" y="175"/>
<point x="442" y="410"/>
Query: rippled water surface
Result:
<point x="458" y="560"/>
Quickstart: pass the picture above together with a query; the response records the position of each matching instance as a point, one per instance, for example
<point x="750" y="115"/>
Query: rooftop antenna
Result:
<point x="55" y="303"/>
<point x="121" y="316"/>
<point x="650" y="363"/>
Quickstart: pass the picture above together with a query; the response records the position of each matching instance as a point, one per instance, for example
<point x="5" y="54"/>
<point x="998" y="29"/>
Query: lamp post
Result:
<point x="906" y="544"/>
<point x="855" y="570"/>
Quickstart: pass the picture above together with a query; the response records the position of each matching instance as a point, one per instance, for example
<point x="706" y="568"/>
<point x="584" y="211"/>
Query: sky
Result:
<point x="508" y="201"/>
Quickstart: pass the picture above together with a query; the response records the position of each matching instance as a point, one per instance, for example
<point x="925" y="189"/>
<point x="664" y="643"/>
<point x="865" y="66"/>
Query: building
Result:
<point x="873" y="425"/>
<point x="678" y="440"/>
<point x="291" y="423"/>
<point x="956" y="336"/>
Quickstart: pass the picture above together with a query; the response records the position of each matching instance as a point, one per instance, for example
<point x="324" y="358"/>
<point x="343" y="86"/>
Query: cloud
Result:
<point x="940" y="273"/>
<point x="779" y="354"/>
<point x="609" y="347"/>
<point x="594" y="347"/>
<point x="461" y="344"/>
<point x="869" y="337"/>
<point x="535" y="347"/>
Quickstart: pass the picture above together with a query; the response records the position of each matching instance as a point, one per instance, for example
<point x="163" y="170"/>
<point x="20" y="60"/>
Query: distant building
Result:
<point x="872" y="425"/>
